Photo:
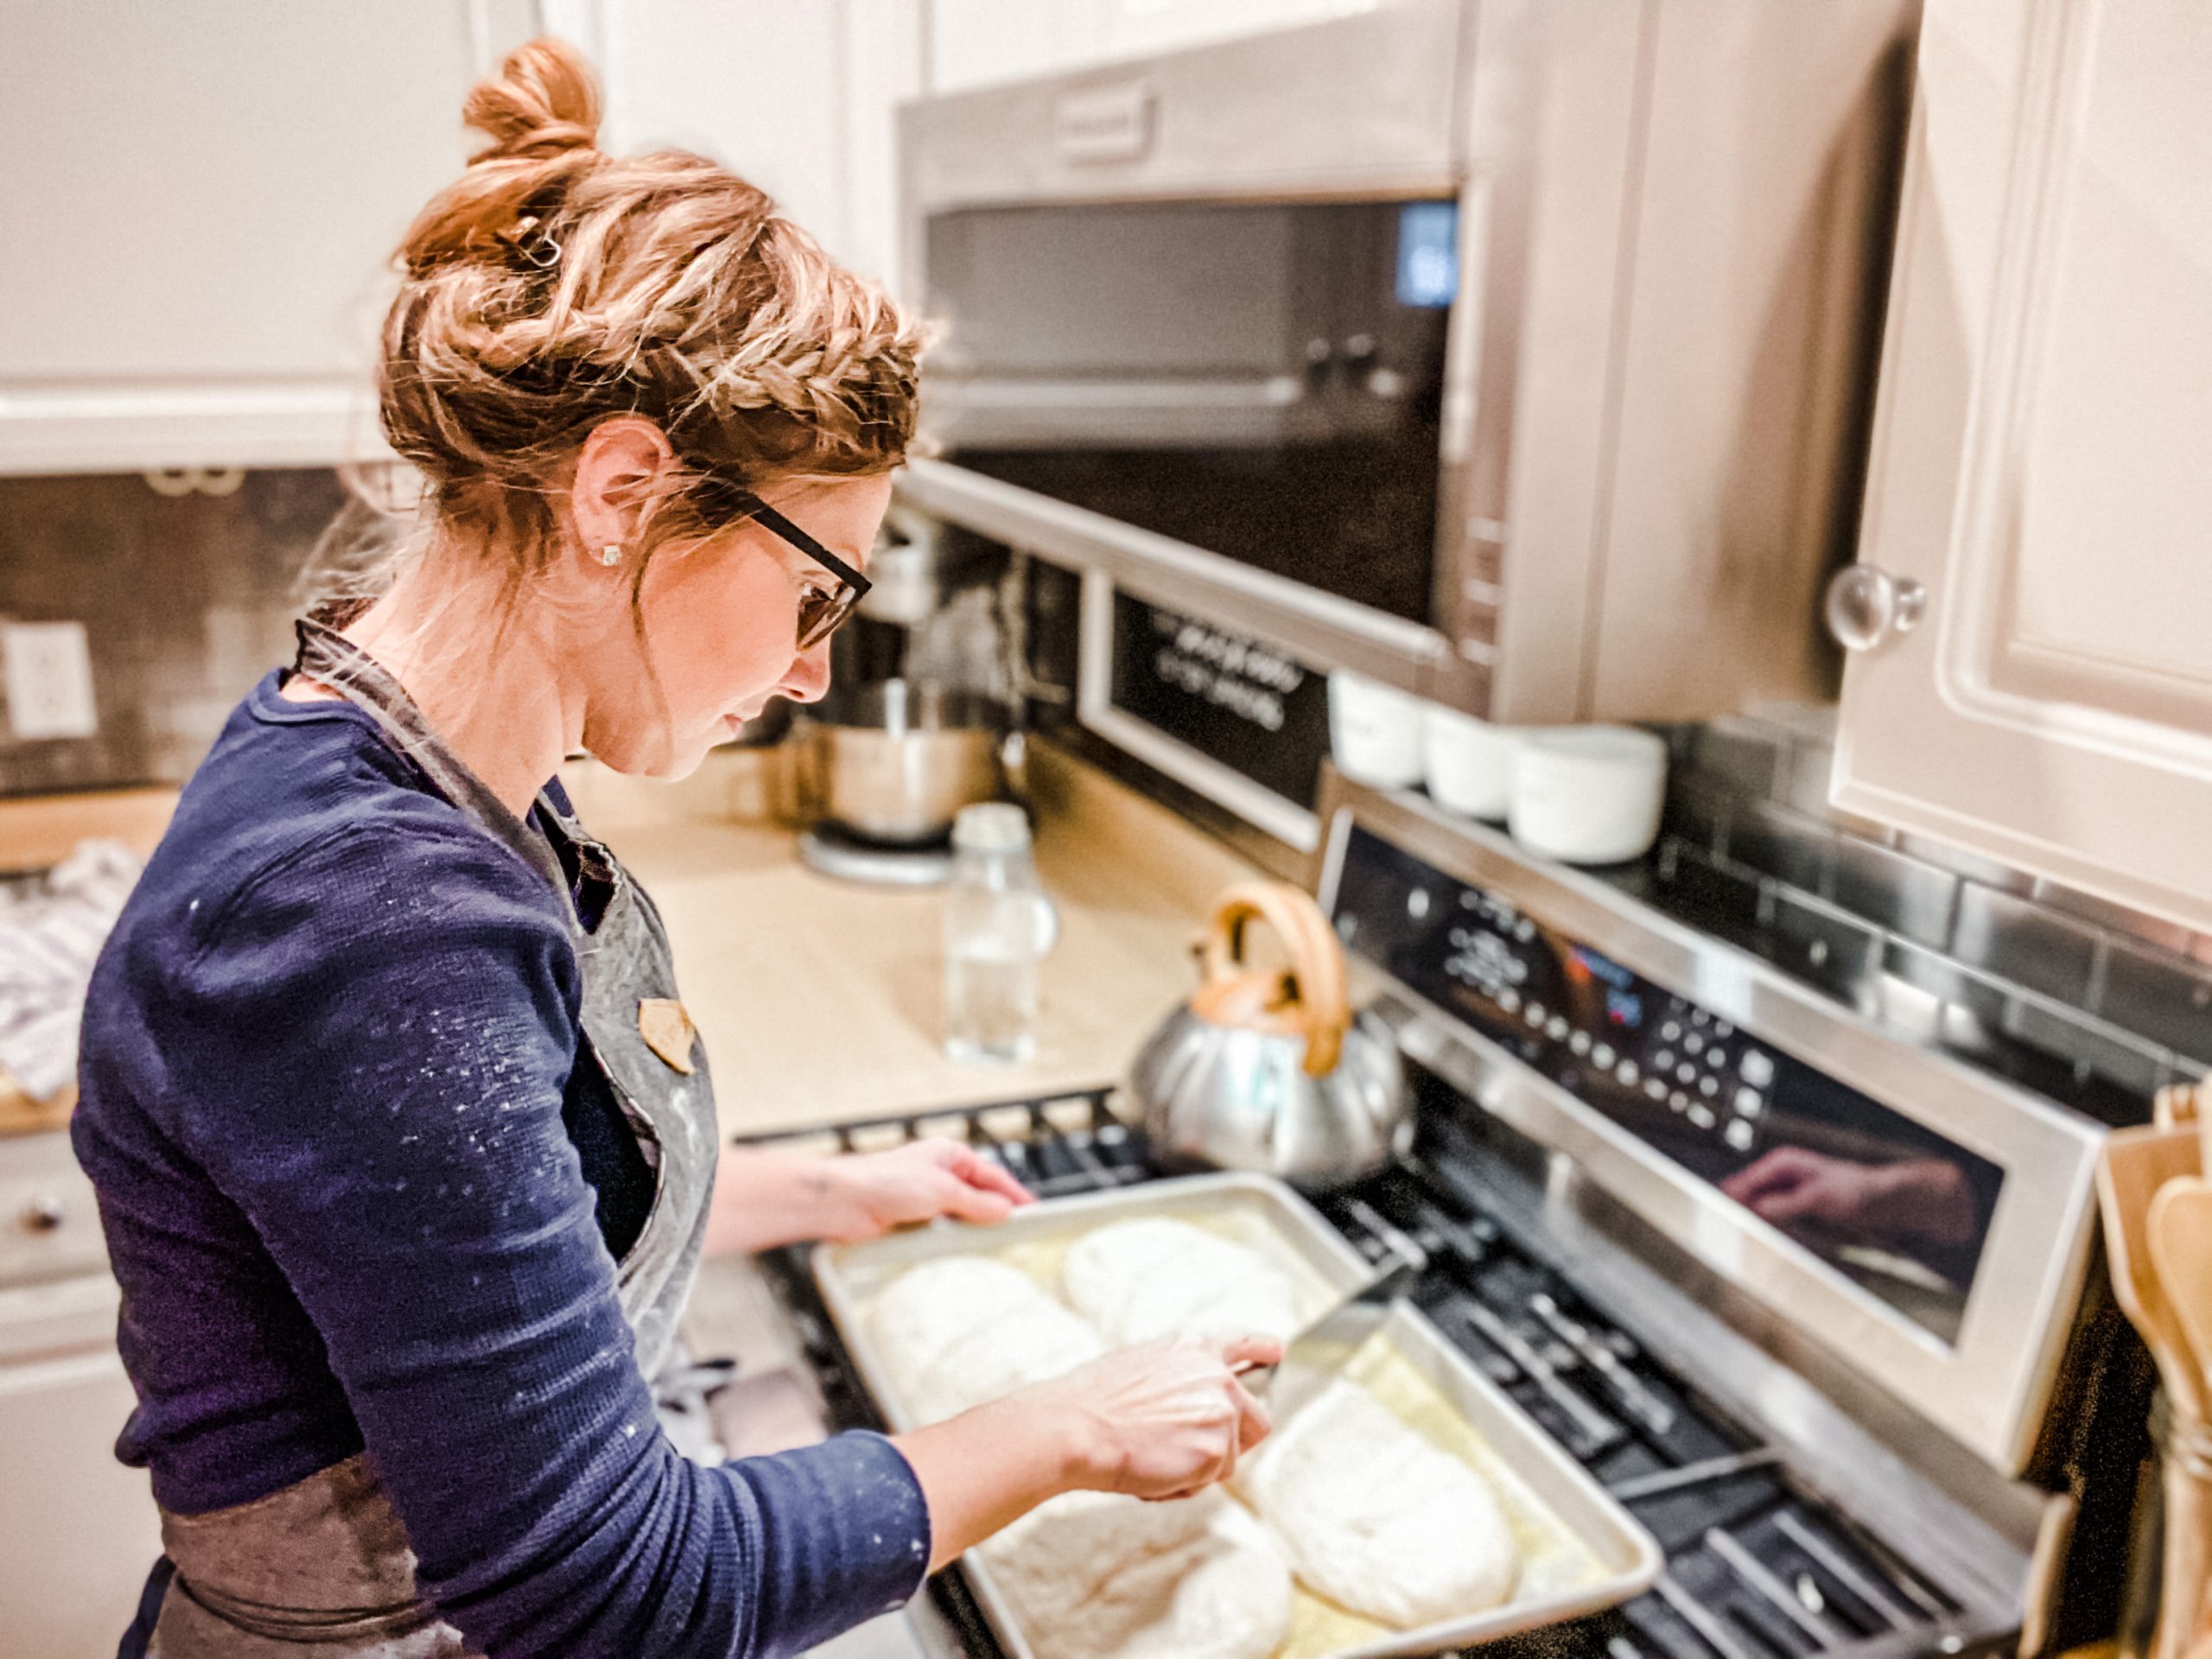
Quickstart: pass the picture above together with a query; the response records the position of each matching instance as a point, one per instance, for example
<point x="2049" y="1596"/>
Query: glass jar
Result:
<point x="998" y="927"/>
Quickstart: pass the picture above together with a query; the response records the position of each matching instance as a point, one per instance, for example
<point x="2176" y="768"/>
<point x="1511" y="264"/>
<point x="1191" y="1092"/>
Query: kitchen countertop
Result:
<point x="818" y="1000"/>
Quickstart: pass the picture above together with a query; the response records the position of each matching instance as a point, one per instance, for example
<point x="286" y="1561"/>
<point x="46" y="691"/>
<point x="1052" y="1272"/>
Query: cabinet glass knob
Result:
<point x="1867" y="607"/>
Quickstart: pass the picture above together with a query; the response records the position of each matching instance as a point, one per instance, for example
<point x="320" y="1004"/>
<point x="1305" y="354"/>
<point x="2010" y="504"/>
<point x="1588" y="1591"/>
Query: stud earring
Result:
<point x="611" y="554"/>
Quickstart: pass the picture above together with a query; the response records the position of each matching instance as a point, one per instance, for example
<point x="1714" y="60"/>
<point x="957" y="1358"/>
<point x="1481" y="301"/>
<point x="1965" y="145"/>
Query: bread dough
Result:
<point x="1140" y="1279"/>
<point x="928" y="1311"/>
<point x="962" y="1329"/>
<point x="1095" y="1576"/>
<point x="1377" y="1518"/>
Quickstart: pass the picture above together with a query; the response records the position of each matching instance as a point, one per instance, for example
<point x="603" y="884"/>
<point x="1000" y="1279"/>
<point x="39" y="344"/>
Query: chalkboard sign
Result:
<point x="1233" y="699"/>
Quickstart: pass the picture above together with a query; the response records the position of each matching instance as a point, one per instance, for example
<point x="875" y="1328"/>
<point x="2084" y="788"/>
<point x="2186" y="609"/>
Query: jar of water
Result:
<point x="998" y="926"/>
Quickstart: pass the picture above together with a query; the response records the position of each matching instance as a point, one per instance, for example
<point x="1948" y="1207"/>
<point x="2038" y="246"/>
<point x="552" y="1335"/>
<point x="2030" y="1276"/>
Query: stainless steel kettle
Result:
<point x="1265" y="1068"/>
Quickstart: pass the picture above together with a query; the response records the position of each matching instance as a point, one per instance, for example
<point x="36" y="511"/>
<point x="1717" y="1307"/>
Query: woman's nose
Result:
<point x="808" y="677"/>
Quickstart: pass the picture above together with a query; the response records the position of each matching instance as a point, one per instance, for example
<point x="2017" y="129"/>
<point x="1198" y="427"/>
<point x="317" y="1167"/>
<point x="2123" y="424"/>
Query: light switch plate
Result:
<point x="48" y="671"/>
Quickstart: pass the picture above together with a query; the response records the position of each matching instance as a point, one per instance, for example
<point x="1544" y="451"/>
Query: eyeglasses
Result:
<point x="820" y="613"/>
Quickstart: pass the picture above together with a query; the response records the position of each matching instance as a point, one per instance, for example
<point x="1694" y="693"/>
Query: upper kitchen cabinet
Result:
<point x="795" y="95"/>
<point x="212" y="298"/>
<point x="2032" y="606"/>
<point x="979" y="42"/>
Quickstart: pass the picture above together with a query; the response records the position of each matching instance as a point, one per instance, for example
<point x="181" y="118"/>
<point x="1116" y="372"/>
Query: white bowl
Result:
<point x="1588" y="794"/>
<point x="1373" y="731"/>
<point x="1469" y="762"/>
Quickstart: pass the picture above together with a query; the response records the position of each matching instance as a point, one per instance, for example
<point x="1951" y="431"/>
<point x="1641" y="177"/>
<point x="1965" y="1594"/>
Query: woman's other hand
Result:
<point x="765" y="1197"/>
<point x="1163" y="1420"/>
<point x="871" y="1192"/>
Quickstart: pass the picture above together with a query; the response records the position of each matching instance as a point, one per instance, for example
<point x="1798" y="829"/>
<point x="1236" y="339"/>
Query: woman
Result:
<point x="406" y="1154"/>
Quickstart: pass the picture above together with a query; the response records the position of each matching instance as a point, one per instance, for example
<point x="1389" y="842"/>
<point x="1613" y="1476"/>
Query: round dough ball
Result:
<point x="1098" y="1576"/>
<point x="1140" y="1280"/>
<point x="1379" y="1520"/>
<point x="963" y="1329"/>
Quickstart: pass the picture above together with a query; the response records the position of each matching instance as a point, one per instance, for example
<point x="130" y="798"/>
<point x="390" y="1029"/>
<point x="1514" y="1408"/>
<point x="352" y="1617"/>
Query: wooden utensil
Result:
<point x="2135" y="1165"/>
<point x="2180" y="1227"/>
<point x="2193" y="1102"/>
<point x="2174" y="1105"/>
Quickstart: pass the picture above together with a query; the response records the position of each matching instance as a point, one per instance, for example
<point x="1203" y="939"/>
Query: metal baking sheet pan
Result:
<point x="1582" y="1551"/>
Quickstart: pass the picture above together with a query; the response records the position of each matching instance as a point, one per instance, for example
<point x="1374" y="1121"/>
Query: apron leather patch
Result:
<point x="668" y="1031"/>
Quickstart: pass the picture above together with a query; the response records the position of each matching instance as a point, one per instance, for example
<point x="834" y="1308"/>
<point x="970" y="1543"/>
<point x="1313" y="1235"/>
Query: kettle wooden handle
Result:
<point x="1324" y="1001"/>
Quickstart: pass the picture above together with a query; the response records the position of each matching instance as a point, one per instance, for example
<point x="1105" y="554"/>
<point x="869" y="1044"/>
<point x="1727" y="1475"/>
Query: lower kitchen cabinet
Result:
<point x="2032" y="607"/>
<point x="77" y="1531"/>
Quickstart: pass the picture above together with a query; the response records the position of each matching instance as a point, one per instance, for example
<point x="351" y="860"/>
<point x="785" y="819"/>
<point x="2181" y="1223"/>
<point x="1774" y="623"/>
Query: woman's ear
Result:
<point x="619" y="472"/>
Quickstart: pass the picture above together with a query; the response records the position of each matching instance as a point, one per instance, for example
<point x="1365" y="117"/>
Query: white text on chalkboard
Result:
<point x="1241" y="676"/>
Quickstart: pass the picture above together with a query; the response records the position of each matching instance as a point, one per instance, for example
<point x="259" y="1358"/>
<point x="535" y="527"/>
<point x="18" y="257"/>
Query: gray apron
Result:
<point x="322" y="1569"/>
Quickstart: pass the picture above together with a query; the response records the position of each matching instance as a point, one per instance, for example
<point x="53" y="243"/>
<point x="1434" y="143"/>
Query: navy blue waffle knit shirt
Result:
<point x="327" y="1099"/>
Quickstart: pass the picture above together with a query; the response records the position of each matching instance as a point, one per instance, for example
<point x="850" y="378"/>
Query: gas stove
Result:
<point x="1910" y="1431"/>
<point x="1758" y="1566"/>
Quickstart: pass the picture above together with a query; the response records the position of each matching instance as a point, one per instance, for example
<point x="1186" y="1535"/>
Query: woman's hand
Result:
<point x="766" y="1197"/>
<point x="871" y="1192"/>
<point x="1163" y="1420"/>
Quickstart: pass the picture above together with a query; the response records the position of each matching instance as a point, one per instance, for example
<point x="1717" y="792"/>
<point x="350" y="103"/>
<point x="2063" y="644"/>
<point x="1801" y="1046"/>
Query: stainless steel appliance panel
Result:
<point x="1567" y="428"/>
<point x="1980" y="1364"/>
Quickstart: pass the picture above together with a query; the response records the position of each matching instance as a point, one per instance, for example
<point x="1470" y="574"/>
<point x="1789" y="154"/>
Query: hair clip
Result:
<point x="531" y="243"/>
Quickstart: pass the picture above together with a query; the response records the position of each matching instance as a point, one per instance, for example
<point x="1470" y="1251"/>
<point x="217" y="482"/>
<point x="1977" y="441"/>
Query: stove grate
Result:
<point x="1758" y="1567"/>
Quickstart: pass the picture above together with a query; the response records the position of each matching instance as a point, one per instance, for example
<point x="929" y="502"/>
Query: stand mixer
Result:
<point x="921" y="719"/>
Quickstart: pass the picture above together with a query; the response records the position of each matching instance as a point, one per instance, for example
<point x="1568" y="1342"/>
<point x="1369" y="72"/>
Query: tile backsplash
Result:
<point x="186" y="600"/>
<point x="1941" y="935"/>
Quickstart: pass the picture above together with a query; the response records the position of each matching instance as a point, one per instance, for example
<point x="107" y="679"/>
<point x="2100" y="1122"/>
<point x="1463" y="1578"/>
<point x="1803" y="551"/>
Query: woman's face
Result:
<point x="720" y="626"/>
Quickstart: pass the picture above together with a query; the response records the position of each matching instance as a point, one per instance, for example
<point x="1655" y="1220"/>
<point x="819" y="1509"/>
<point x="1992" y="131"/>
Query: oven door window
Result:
<point x="1263" y="380"/>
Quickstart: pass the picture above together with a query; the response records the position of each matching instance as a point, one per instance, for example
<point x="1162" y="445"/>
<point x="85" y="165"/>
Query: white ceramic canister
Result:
<point x="1588" y="794"/>
<point x="1469" y="762"/>
<point x="1373" y="731"/>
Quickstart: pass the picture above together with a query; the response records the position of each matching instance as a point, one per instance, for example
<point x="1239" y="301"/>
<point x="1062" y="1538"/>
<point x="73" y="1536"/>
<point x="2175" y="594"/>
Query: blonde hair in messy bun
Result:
<point x="554" y="286"/>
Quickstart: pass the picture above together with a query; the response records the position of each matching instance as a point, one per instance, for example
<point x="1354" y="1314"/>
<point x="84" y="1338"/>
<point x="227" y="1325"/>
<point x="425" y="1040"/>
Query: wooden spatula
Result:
<point x="2180" y="1226"/>
<point x="2135" y="1165"/>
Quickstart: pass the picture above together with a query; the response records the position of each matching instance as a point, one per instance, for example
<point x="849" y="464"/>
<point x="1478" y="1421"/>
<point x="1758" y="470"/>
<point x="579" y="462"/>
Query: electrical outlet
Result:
<point x="48" y="671"/>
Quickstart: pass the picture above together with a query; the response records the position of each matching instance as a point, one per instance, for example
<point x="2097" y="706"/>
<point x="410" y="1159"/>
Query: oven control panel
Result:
<point x="1591" y="1023"/>
<point x="1890" y="1202"/>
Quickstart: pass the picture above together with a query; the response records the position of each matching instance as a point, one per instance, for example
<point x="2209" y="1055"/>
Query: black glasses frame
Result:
<point x="819" y="620"/>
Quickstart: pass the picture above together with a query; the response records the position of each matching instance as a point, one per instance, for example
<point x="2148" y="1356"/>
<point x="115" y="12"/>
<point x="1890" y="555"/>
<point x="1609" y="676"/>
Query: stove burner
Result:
<point x="1757" y="1567"/>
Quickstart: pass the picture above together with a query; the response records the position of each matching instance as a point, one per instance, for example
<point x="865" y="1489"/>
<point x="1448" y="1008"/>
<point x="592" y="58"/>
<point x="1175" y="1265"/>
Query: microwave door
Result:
<point x="1262" y="381"/>
<point x="1129" y="325"/>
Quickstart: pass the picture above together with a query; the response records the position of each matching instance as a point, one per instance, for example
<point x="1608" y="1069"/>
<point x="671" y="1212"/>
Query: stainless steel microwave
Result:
<point x="1517" y="352"/>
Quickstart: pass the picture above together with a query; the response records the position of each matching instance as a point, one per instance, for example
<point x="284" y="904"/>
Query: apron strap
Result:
<point x="328" y="656"/>
<point x="140" y="1633"/>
